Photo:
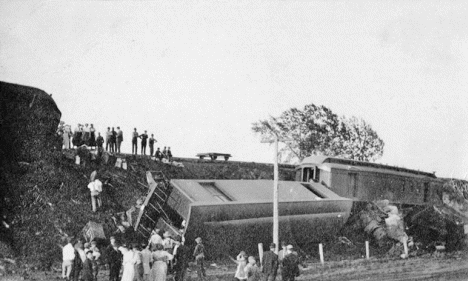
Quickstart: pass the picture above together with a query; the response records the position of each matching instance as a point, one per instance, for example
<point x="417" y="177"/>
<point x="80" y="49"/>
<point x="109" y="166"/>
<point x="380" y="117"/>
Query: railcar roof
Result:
<point x="250" y="191"/>
<point x="335" y="162"/>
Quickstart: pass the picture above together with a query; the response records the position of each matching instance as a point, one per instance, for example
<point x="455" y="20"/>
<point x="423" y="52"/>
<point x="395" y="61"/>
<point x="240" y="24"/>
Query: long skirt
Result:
<point x="66" y="140"/>
<point x="159" y="271"/>
<point x="77" y="139"/>
<point x="85" y="138"/>
<point x="128" y="272"/>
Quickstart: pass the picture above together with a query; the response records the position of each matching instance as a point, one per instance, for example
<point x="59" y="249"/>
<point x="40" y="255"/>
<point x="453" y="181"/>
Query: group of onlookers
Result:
<point x="148" y="261"/>
<point x="86" y="135"/>
<point x="172" y="256"/>
<point x="163" y="255"/>
<point x="145" y="139"/>
<point x="114" y="139"/>
<point x="81" y="135"/>
<point x="80" y="262"/>
<point x="286" y="261"/>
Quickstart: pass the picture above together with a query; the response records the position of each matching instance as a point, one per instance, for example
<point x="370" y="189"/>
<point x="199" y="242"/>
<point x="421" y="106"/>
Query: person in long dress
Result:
<point x="160" y="259"/>
<point x="77" y="136"/>
<point x="86" y="134"/>
<point x="92" y="136"/>
<point x="128" y="263"/>
<point x="241" y="261"/>
<point x="66" y="137"/>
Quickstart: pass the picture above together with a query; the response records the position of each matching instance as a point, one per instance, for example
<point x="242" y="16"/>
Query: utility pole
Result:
<point x="275" y="199"/>
<point x="275" y="190"/>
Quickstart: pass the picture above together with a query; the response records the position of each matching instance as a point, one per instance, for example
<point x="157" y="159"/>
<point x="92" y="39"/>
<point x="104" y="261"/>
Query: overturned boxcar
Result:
<point x="238" y="214"/>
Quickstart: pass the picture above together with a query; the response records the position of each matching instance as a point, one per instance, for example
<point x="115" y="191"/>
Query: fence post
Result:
<point x="322" y="260"/>
<point x="367" y="250"/>
<point x="260" y="252"/>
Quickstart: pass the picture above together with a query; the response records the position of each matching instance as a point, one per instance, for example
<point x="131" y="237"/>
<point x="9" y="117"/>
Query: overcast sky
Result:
<point x="198" y="73"/>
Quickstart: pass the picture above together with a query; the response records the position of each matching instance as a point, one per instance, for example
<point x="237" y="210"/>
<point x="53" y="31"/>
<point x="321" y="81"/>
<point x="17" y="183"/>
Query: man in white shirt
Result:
<point x="95" y="187"/>
<point x="68" y="253"/>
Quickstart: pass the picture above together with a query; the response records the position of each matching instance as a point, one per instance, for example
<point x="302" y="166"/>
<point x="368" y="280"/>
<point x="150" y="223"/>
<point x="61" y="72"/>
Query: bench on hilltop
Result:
<point x="214" y="155"/>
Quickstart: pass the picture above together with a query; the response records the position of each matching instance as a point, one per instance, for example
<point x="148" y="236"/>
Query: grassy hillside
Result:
<point x="51" y="198"/>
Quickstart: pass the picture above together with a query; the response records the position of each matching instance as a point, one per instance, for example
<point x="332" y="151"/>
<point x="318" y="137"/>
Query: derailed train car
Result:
<point x="238" y="214"/>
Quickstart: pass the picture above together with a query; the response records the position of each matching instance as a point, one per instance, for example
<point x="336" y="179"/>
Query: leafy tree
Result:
<point x="317" y="130"/>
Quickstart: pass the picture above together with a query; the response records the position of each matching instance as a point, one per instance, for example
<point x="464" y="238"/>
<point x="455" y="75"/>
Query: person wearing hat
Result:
<point x="96" y="257"/>
<point x="252" y="270"/>
<point x="158" y="154"/>
<point x="160" y="259"/>
<point x="169" y="154"/>
<point x="152" y="140"/>
<point x="168" y="242"/>
<point x="99" y="142"/>
<point x="143" y="137"/>
<point x="92" y="136"/>
<point x="155" y="238"/>
<point x="270" y="264"/>
<point x="241" y="261"/>
<point x="199" y="254"/>
<point x="86" y="247"/>
<point x="114" y="259"/>
<point x="164" y="153"/>
<point x="135" y="141"/>
<point x="86" y="134"/>
<point x="89" y="267"/>
<point x="182" y="257"/>
<point x="290" y="265"/>
<point x="113" y="140"/>
<point x="77" y="136"/>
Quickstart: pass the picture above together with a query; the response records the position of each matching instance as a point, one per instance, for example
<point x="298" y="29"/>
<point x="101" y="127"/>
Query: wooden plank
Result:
<point x="149" y="218"/>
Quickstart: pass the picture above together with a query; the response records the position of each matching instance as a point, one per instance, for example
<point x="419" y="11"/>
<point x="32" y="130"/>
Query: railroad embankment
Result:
<point x="44" y="194"/>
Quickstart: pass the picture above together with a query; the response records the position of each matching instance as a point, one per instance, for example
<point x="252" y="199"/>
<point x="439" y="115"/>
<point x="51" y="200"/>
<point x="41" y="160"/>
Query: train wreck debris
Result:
<point x="308" y="212"/>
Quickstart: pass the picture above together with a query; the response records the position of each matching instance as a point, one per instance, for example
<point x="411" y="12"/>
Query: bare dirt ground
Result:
<point x="453" y="267"/>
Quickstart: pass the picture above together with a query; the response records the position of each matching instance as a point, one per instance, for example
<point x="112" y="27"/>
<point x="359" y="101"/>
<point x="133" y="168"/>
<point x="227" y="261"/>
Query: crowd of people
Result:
<point x="163" y="256"/>
<point x="151" y="261"/>
<point x="86" y="135"/>
<point x="286" y="262"/>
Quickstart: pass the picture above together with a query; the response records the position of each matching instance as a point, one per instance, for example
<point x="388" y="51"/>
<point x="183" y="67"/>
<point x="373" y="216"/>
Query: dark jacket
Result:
<point x="113" y="137"/>
<point x="182" y="257"/>
<point x="291" y="265"/>
<point x="113" y="256"/>
<point x="99" y="141"/>
<point x="89" y="269"/>
<point x="270" y="263"/>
